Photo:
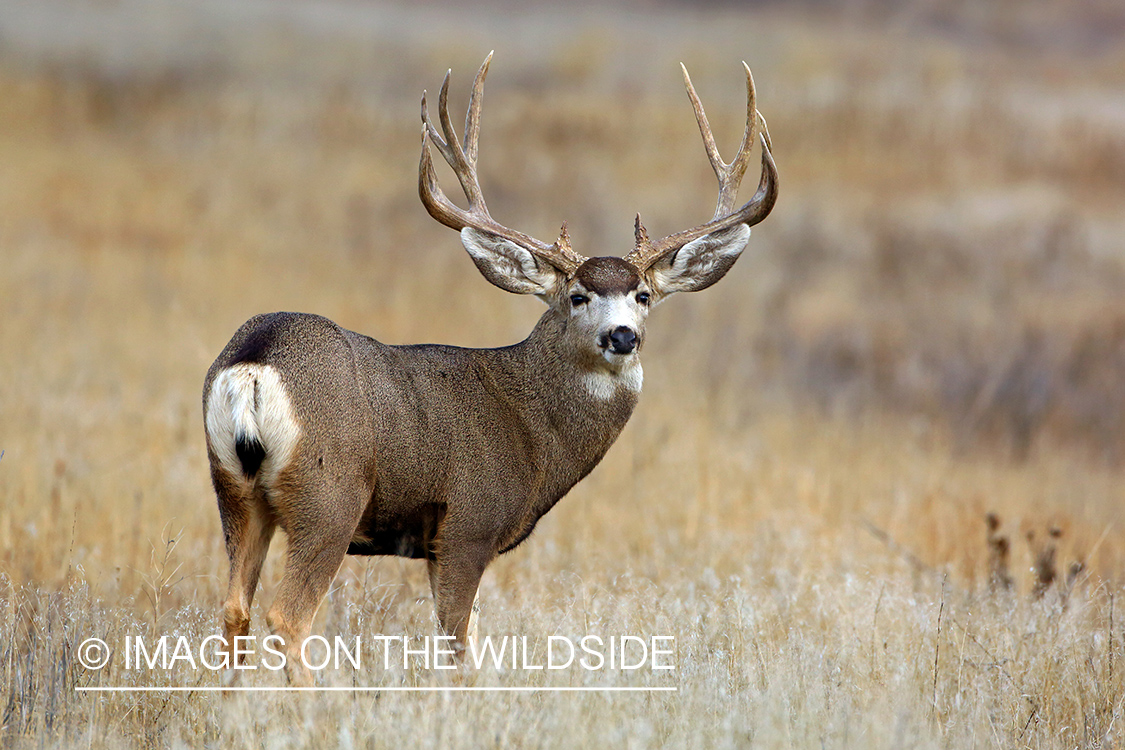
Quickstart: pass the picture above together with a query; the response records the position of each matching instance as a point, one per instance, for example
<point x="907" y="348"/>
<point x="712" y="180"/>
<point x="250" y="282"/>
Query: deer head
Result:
<point x="605" y="300"/>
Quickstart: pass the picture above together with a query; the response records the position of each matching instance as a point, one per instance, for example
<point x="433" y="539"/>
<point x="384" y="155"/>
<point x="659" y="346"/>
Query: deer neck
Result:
<point x="575" y="408"/>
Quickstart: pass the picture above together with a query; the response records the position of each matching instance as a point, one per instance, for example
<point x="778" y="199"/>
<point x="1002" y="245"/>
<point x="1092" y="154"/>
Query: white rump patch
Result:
<point x="603" y="384"/>
<point x="249" y="401"/>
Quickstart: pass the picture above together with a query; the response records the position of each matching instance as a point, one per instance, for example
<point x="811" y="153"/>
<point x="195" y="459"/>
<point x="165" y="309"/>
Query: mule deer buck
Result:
<point x="443" y="453"/>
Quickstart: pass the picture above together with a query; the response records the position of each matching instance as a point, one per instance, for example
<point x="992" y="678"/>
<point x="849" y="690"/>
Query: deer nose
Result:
<point x="622" y="340"/>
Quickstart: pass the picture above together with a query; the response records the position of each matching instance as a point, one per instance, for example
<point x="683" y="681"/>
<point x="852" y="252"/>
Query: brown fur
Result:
<point x="438" y="452"/>
<point x="608" y="275"/>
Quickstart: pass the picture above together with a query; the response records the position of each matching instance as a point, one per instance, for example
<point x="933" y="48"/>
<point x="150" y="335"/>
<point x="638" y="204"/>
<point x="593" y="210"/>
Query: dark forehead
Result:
<point x="608" y="275"/>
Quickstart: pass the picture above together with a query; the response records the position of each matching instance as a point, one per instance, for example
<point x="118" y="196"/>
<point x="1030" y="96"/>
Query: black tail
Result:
<point x="250" y="454"/>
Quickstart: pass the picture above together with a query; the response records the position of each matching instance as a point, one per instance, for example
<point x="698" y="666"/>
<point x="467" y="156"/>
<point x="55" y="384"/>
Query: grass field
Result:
<point x="930" y="328"/>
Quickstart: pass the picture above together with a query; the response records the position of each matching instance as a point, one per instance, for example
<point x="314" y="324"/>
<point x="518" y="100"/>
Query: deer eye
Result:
<point x="578" y="299"/>
<point x="643" y="298"/>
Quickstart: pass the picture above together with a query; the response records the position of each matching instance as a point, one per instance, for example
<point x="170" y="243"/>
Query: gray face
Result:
<point x="607" y="302"/>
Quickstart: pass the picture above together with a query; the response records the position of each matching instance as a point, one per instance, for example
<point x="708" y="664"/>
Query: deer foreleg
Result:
<point x="455" y="577"/>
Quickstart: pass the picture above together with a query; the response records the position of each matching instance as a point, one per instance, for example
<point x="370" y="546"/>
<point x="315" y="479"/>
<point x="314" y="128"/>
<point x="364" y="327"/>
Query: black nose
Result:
<point x="622" y="340"/>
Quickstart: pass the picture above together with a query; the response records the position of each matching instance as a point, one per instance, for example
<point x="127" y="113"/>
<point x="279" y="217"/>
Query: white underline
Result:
<point x="373" y="689"/>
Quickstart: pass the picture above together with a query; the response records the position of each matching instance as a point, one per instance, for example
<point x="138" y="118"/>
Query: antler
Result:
<point x="464" y="164"/>
<point x="646" y="252"/>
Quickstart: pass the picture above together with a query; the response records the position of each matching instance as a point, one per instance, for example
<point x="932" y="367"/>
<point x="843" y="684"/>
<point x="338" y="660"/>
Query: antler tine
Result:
<point x="433" y="197"/>
<point x="450" y="135"/>
<point x="765" y="131"/>
<point x="742" y="158"/>
<point x="704" y="126"/>
<point x="729" y="175"/>
<point x="646" y="252"/>
<point x="463" y="160"/>
<point x="472" y="117"/>
<point x="464" y="166"/>
<point x="429" y="129"/>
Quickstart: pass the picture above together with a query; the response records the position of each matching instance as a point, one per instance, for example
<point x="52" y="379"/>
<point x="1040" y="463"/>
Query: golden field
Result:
<point x="929" y="328"/>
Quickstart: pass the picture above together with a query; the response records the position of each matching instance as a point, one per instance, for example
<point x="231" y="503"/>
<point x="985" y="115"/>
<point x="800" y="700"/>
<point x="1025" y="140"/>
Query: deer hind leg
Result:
<point x="248" y="526"/>
<point x="318" y="541"/>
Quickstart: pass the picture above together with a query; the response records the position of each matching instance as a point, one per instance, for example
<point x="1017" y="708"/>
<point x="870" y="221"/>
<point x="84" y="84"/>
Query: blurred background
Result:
<point x="928" y="328"/>
<point x="945" y="265"/>
<point x="947" y="247"/>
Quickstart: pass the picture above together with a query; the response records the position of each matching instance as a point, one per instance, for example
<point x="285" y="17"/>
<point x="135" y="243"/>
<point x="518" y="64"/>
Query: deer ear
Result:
<point x="509" y="266"/>
<point x="700" y="263"/>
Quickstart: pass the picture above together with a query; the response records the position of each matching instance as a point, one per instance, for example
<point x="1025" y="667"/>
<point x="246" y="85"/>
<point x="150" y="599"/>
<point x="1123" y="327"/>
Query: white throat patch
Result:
<point x="603" y="384"/>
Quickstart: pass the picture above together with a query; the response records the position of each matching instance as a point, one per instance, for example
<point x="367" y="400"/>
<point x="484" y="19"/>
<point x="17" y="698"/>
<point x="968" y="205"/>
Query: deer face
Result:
<point x="606" y="304"/>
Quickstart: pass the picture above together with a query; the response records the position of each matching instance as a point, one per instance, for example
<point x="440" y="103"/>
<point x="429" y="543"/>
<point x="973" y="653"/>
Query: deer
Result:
<point x="441" y="453"/>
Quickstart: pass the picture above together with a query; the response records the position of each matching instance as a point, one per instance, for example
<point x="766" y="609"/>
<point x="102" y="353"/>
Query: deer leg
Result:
<point x="474" y="613"/>
<point x="248" y="527"/>
<point x="432" y="570"/>
<point x="457" y="574"/>
<point x="311" y="565"/>
<point x="315" y="554"/>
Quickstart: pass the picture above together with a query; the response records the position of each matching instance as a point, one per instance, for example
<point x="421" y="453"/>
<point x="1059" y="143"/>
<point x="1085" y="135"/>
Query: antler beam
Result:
<point x="646" y="252"/>
<point x="463" y="160"/>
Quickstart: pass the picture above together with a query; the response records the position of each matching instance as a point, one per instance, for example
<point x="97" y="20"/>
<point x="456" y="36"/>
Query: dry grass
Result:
<point x="930" y="328"/>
